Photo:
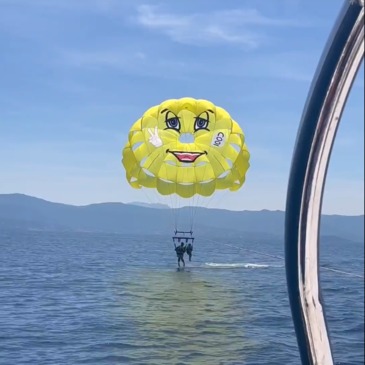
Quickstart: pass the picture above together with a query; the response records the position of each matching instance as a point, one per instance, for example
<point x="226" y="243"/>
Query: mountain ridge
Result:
<point x="28" y="212"/>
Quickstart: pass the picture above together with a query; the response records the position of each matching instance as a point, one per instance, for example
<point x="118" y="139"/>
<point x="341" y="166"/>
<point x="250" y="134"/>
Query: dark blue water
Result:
<point x="81" y="298"/>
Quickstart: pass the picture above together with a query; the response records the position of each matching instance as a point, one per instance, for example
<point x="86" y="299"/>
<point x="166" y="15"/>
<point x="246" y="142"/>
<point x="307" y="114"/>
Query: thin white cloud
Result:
<point x="102" y="6"/>
<point x="124" y="60"/>
<point x="115" y="59"/>
<point x="281" y="65"/>
<point x="229" y="26"/>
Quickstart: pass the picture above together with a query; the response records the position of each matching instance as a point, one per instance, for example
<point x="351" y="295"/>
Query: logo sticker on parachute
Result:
<point x="218" y="139"/>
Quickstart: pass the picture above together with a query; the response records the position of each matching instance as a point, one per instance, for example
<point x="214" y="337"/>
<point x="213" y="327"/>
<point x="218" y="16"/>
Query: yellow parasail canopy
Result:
<point x="186" y="147"/>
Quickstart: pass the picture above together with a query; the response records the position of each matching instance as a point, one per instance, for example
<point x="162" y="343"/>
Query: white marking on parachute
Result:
<point x="155" y="138"/>
<point x="219" y="139"/>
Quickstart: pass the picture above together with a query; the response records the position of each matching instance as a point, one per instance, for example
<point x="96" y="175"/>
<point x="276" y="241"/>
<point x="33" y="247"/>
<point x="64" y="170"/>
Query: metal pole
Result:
<point x="321" y="116"/>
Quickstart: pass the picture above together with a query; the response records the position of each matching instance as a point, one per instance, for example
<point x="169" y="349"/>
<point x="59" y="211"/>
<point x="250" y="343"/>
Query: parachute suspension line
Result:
<point x="177" y="205"/>
<point x="195" y="203"/>
<point x="155" y="141"/>
<point x="173" y="207"/>
<point x="215" y="198"/>
<point x="198" y="205"/>
<point x="203" y="202"/>
<point x="177" y="202"/>
<point x="223" y="194"/>
<point x="198" y="199"/>
<point x="148" y="196"/>
<point x="172" y="192"/>
<point x="190" y="206"/>
<point x="212" y="198"/>
<point x="172" y="197"/>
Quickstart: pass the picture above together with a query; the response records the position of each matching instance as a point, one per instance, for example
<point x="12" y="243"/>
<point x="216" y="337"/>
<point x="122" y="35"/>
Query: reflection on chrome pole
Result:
<point x="329" y="91"/>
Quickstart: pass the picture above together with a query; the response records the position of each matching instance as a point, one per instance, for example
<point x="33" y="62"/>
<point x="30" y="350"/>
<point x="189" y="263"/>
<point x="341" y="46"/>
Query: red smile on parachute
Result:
<point x="187" y="156"/>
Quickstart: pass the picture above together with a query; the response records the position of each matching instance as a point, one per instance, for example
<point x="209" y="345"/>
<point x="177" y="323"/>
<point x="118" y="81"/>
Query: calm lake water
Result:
<point x="82" y="298"/>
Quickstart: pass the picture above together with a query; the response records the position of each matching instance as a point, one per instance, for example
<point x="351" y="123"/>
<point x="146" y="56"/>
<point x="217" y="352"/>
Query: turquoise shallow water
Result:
<point x="82" y="298"/>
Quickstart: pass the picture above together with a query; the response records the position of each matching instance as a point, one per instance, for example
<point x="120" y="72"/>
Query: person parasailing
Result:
<point x="184" y="236"/>
<point x="180" y="250"/>
<point x="189" y="249"/>
<point x="212" y="157"/>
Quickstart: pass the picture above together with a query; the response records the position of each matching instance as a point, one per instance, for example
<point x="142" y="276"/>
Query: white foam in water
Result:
<point x="256" y="266"/>
<point x="236" y="265"/>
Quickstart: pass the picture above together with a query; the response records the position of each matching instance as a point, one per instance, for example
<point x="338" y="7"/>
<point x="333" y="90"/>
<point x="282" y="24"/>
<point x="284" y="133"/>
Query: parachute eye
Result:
<point x="172" y="122"/>
<point x="201" y="123"/>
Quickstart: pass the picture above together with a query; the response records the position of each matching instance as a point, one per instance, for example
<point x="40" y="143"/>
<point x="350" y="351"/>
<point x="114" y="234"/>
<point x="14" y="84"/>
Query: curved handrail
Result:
<point x="321" y="116"/>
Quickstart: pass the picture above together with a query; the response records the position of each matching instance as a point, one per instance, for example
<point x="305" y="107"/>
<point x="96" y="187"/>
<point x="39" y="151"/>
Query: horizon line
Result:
<point x="150" y="205"/>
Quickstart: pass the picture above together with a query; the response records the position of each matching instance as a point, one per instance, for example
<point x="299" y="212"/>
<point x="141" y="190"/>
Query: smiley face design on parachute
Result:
<point x="186" y="146"/>
<point x="200" y="123"/>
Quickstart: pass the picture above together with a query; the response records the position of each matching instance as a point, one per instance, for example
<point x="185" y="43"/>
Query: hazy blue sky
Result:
<point x="75" y="75"/>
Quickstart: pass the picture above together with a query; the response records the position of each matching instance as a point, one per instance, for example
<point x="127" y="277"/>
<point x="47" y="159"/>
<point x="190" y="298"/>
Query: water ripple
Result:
<point x="108" y="299"/>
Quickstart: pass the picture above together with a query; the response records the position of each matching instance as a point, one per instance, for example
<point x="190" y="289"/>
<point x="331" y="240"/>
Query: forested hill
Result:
<point x="26" y="212"/>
